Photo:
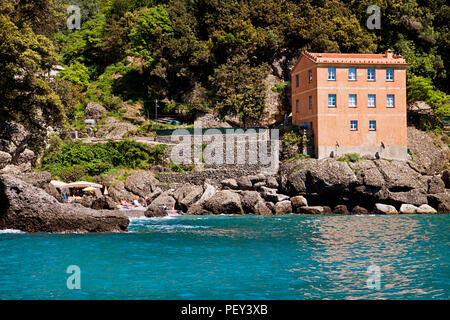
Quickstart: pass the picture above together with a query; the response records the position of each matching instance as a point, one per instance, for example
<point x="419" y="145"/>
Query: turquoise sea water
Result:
<point x="248" y="257"/>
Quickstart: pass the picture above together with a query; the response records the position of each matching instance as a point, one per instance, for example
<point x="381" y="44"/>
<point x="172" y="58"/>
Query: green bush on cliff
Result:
<point x="72" y="161"/>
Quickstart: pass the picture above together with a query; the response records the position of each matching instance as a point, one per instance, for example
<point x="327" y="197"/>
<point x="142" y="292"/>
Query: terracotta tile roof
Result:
<point x="356" y="58"/>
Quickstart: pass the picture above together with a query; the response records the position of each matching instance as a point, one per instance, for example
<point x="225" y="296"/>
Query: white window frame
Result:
<point x="335" y="98"/>
<point x="391" y="75"/>
<point x="356" y="100"/>
<point x="374" y="127"/>
<point x="369" y="77"/>
<point x="369" y="105"/>
<point x="387" y="101"/>
<point x="350" y="78"/>
<point x="355" y="126"/>
<point x="332" y="75"/>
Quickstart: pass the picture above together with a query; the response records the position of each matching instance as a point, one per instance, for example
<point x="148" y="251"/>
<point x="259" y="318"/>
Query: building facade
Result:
<point x="351" y="103"/>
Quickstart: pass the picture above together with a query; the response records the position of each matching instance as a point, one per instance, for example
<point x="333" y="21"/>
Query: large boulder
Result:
<point x="224" y="201"/>
<point x="427" y="157"/>
<point x="262" y="209"/>
<point x="321" y="176"/>
<point x="244" y="183"/>
<point x="380" y="208"/>
<point x="249" y="200"/>
<point x="191" y="197"/>
<point x="104" y="202"/>
<point x="30" y="209"/>
<point x="283" y="207"/>
<point x="210" y="190"/>
<point x="141" y="182"/>
<point x="197" y="209"/>
<point x="441" y="201"/>
<point x="426" y="209"/>
<point x="341" y="209"/>
<point x="359" y="210"/>
<point x="436" y="185"/>
<point x="399" y="176"/>
<point x="408" y="209"/>
<point x="314" y="210"/>
<point x="118" y="192"/>
<point x="154" y="211"/>
<point x="94" y="111"/>
<point x="297" y="202"/>
<point x="164" y="200"/>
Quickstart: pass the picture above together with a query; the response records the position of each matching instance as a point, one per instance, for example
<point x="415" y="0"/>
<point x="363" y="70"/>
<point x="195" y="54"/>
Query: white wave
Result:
<point x="11" y="231"/>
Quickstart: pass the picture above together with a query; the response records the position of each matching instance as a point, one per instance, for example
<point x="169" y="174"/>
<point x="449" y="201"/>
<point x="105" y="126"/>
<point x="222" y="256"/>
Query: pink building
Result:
<point x="352" y="103"/>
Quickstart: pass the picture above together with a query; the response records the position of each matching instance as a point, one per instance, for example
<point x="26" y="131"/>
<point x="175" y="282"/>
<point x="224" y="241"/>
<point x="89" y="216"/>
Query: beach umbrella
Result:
<point x="90" y="189"/>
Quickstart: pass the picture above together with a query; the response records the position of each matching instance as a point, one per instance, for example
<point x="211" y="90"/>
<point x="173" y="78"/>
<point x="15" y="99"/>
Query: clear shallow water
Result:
<point x="249" y="257"/>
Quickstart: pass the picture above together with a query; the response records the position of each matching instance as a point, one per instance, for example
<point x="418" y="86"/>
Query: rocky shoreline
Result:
<point x="28" y="202"/>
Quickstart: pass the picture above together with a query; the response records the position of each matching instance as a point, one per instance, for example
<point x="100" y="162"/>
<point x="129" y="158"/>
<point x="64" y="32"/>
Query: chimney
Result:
<point x="388" y="53"/>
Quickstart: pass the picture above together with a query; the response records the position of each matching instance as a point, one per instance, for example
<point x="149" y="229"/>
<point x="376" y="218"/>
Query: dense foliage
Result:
<point x="197" y="54"/>
<point x="72" y="161"/>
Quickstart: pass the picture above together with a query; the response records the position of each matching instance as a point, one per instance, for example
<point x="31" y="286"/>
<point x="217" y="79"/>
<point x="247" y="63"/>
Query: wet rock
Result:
<point x="314" y="210"/>
<point x="297" y="202"/>
<point x="426" y="209"/>
<point x="408" y="209"/>
<point x="341" y="209"/>
<point x="283" y="207"/>
<point x="249" y="199"/>
<point x="262" y="209"/>
<point x="30" y="209"/>
<point x="380" y="208"/>
<point x="197" y="209"/>
<point x="224" y="201"/>
<point x="359" y="210"/>
<point x="154" y="211"/>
